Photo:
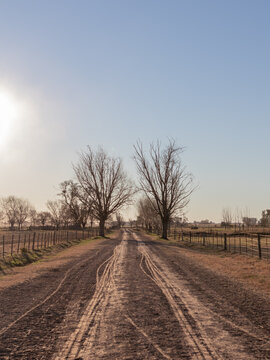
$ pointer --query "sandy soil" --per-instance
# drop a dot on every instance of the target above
(131, 298)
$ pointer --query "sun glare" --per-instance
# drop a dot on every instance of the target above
(9, 112)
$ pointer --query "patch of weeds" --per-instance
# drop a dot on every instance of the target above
(250, 276)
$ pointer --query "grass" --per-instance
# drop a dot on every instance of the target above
(25, 257)
(250, 271)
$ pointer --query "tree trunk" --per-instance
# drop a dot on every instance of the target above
(165, 224)
(101, 227)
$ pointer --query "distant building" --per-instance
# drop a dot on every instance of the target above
(265, 220)
(248, 221)
(206, 221)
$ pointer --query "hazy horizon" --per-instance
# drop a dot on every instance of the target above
(104, 73)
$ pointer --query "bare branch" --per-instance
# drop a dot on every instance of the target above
(164, 179)
(104, 183)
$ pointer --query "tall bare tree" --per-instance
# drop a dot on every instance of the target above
(22, 212)
(164, 179)
(238, 217)
(9, 206)
(56, 210)
(72, 194)
(227, 216)
(44, 217)
(119, 219)
(104, 183)
(33, 216)
(147, 214)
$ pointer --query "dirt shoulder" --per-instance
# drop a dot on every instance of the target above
(251, 272)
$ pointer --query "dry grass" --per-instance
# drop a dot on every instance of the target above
(250, 271)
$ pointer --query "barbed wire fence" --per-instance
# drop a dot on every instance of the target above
(256, 245)
(14, 242)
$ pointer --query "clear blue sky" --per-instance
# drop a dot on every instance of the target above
(110, 72)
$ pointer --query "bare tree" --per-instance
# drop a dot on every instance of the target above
(16, 210)
(44, 217)
(104, 183)
(9, 206)
(23, 211)
(56, 212)
(227, 217)
(71, 194)
(119, 219)
(66, 216)
(147, 214)
(33, 216)
(238, 217)
(265, 219)
(164, 179)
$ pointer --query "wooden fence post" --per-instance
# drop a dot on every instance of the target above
(190, 236)
(24, 241)
(3, 246)
(29, 239)
(12, 241)
(225, 242)
(259, 246)
(19, 241)
(34, 238)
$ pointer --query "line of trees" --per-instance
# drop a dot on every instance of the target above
(17, 211)
(240, 218)
(102, 188)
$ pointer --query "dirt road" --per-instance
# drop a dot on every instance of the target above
(132, 298)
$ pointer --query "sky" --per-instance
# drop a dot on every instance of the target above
(78, 73)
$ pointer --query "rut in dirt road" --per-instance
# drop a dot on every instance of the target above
(83, 338)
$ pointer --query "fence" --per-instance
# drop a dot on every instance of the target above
(12, 242)
(257, 245)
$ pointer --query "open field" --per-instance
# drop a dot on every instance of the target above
(131, 297)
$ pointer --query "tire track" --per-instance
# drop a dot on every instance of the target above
(83, 338)
(5, 329)
(199, 342)
(247, 327)
(156, 346)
